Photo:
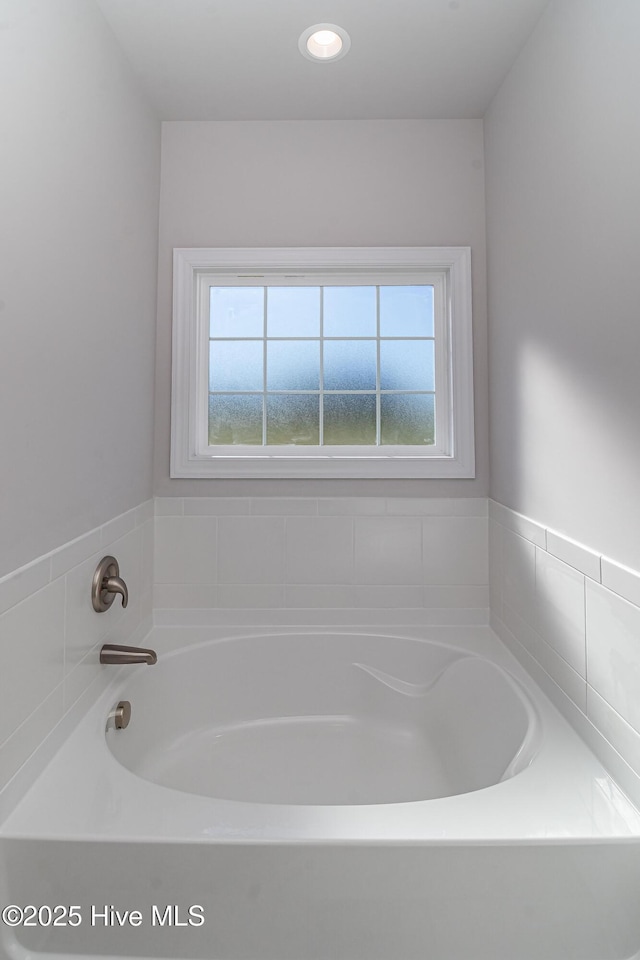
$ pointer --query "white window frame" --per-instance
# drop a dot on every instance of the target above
(447, 268)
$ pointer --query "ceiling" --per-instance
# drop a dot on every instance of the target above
(239, 59)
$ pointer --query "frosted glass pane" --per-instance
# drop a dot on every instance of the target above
(237, 312)
(406, 365)
(407, 418)
(293, 419)
(293, 365)
(235, 365)
(293, 312)
(350, 364)
(406, 311)
(349, 312)
(350, 418)
(235, 419)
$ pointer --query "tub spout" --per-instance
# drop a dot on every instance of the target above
(117, 653)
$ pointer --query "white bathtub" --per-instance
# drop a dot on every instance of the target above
(326, 719)
(326, 795)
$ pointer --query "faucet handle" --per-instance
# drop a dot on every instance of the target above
(107, 584)
(116, 585)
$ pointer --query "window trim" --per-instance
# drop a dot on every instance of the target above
(189, 266)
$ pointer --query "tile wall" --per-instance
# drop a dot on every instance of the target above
(306, 560)
(50, 635)
(572, 617)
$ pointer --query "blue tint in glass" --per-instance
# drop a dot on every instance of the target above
(237, 312)
(406, 311)
(293, 312)
(235, 418)
(407, 418)
(293, 365)
(349, 418)
(406, 365)
(293, 419)
(349, 364)
(235, 365)
(349, 312)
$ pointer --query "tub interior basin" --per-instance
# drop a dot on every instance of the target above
(325, 719)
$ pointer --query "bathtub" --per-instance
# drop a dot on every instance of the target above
(326, 795)
(326, 720)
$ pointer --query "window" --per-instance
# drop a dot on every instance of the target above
(348, 362)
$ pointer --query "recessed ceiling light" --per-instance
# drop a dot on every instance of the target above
(324, 42)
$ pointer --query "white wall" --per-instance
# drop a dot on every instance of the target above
(344, 183)
(79, 167)
(563, 211)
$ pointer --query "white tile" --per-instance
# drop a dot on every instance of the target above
(455, 550)
(614, 728)
(551, 662)
(144, 513)
(251, 595)
(519, 575)
(85, 627)
(217, 506)
(18, 748)
(352, 506)
(518, 523)
(31, 654)
(251, 549)
(622, 580)
(574, 554)
(321, 617)
(613, 651)
(121, 630)
(168, 506)
(146, 609)
(83, 675)
(388, 550)
(147, 533)
(82, 671)
(75, 552)
(388, 596)
(459, 596)
(319, 550)
(318, 596)
(170, 596)
(284, 506)
(118, 528)
(560, 606)
(453, 616)
(185, 549)
(437, 506)
(568, 692)
(495, 566)
(27, 580)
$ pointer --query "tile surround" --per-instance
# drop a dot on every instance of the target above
(560, 609)
(572, 617)
(575, 554)
(50, 636)
(320, 554)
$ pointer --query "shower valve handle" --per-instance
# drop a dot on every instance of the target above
(107, 584)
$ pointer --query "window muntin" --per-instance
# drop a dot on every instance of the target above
(331, 365)
(317, 418)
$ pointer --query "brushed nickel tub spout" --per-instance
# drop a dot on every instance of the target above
(117, 653)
